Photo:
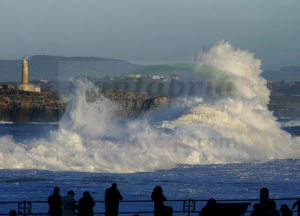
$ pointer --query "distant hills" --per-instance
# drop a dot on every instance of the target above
(288, 74)
(57, 67)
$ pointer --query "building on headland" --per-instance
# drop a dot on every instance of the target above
(25, 86)
(270, 84)
(134, 75)
(149, 75)
(41, 80)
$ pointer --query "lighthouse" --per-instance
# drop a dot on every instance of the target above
(25, 86)
(25, 71)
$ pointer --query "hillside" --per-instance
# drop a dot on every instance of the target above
(288, 74)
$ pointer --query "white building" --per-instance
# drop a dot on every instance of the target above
(149, 75)
(134, 75)
(41, 80)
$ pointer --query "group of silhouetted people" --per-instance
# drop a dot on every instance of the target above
(56, 202)
(212, 208)
(259, 210)
(66, 206)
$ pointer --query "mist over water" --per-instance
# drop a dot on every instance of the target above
(190, 130)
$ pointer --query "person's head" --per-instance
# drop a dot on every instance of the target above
(114, 186)
(12, 213)
(86, 193)
(271, 205)
(284, 208)
(56, 190)
(71, 192)
(211, 202)
(157, 189)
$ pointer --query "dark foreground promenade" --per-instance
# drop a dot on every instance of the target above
(263, 205)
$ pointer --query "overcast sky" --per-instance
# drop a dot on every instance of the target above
(150, 30)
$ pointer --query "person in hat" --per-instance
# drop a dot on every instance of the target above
(69, 204)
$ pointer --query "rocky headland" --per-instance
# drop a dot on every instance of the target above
(43, 107)
(284, 107)
(134, 104)
(22, 106)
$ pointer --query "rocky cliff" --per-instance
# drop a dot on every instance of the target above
(22, 106)
(133, 104)
(284, 107)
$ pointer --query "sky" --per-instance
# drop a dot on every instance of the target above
(150, 30)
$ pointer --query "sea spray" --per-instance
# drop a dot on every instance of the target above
(198, 129)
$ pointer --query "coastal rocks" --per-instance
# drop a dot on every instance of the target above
(22, 106)
(283, 107)
(134, 104)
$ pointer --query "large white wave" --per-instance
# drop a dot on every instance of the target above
(194, 130)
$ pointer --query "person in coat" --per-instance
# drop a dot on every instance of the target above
(112, 197)
(158, 198)
(272, 208)
(285, 211)
(85, 205)
(69, 204)
(212, 208)
(55, 205)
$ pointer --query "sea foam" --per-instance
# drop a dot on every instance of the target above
(198, 129)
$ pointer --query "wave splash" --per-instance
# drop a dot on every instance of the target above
(194, 130)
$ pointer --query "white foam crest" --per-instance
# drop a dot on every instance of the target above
(65, 151)
(241, 66)
(251, 131)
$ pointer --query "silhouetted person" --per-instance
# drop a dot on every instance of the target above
(69, 204)
(112, 197)
(272, 208)
(55, 205)
(296, 203)
(210, 209)
(259, 210)
(168, 211)
(85, 205)
(232, 211)
(158, 198)
(285, 211)
(12, 213)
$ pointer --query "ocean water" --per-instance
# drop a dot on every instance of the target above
(196, 147)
